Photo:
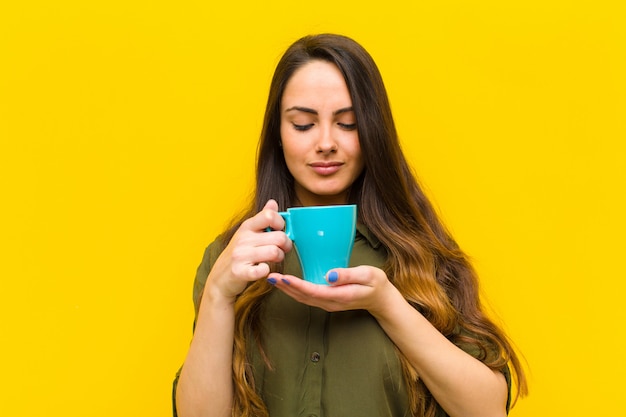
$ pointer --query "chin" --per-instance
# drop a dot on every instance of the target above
(330, 198)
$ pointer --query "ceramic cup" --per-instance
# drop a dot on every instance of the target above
(323, 237)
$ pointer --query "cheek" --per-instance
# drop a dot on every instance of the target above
(355, 149)
(294, 147)
(286, 137)
(291, 153)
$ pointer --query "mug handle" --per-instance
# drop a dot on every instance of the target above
(287, 216)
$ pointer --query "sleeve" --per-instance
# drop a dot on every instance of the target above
(211, 253)
(507, 375)
(174, 386)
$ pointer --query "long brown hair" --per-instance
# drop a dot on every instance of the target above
(424, 262)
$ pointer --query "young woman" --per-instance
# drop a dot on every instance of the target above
(401, 332)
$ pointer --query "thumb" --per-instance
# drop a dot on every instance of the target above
(271, 205)
(332, 276)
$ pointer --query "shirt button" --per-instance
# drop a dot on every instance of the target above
(315, 357)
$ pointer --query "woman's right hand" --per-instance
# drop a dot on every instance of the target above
(204, 386)
(246, 257)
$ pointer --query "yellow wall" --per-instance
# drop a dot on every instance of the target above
(127, 139)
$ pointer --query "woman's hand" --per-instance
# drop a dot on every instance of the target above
(462, 385)
(247, 256)
(361, 287)
(205, 384)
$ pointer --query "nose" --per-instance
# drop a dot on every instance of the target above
(326, 143)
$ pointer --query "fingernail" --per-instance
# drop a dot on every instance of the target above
(286, 281)
(272, 280)
(332, 276)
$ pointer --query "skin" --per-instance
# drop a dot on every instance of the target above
(319, 136)
(322, 152)
(462, 385)
(205, 383)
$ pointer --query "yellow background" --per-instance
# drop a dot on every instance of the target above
(127, 141)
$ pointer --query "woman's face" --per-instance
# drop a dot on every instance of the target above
(319, 136)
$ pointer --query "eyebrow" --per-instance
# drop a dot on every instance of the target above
(312, 111)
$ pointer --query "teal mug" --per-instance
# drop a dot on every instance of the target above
(323, 238)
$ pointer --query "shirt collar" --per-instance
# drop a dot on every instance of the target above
(364, 231)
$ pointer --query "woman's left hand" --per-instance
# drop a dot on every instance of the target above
(361, 287)
(462, 385)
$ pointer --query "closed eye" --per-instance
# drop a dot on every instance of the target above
(347, 126)
(302, 128)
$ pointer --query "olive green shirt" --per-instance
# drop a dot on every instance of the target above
(323, 364)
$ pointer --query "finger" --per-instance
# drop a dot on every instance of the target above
(251, 240)
(295, 287)
(340, 276)
(332, 276)
(328, 298)
(253, 255)
(276, 278)
(254, 272)
(304, 291)
(278, 238)
(268, 218)
(271, 205)
(268, 253)
(363, 275)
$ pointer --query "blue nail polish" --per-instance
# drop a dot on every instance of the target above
(272, 280)
(286, 281)
(333, 276)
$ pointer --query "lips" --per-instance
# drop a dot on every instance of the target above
(326, 168)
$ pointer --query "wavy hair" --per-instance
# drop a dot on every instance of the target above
(424, 262)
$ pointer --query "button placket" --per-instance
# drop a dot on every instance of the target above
(314, 369)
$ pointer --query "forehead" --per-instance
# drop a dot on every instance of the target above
(316, 81)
